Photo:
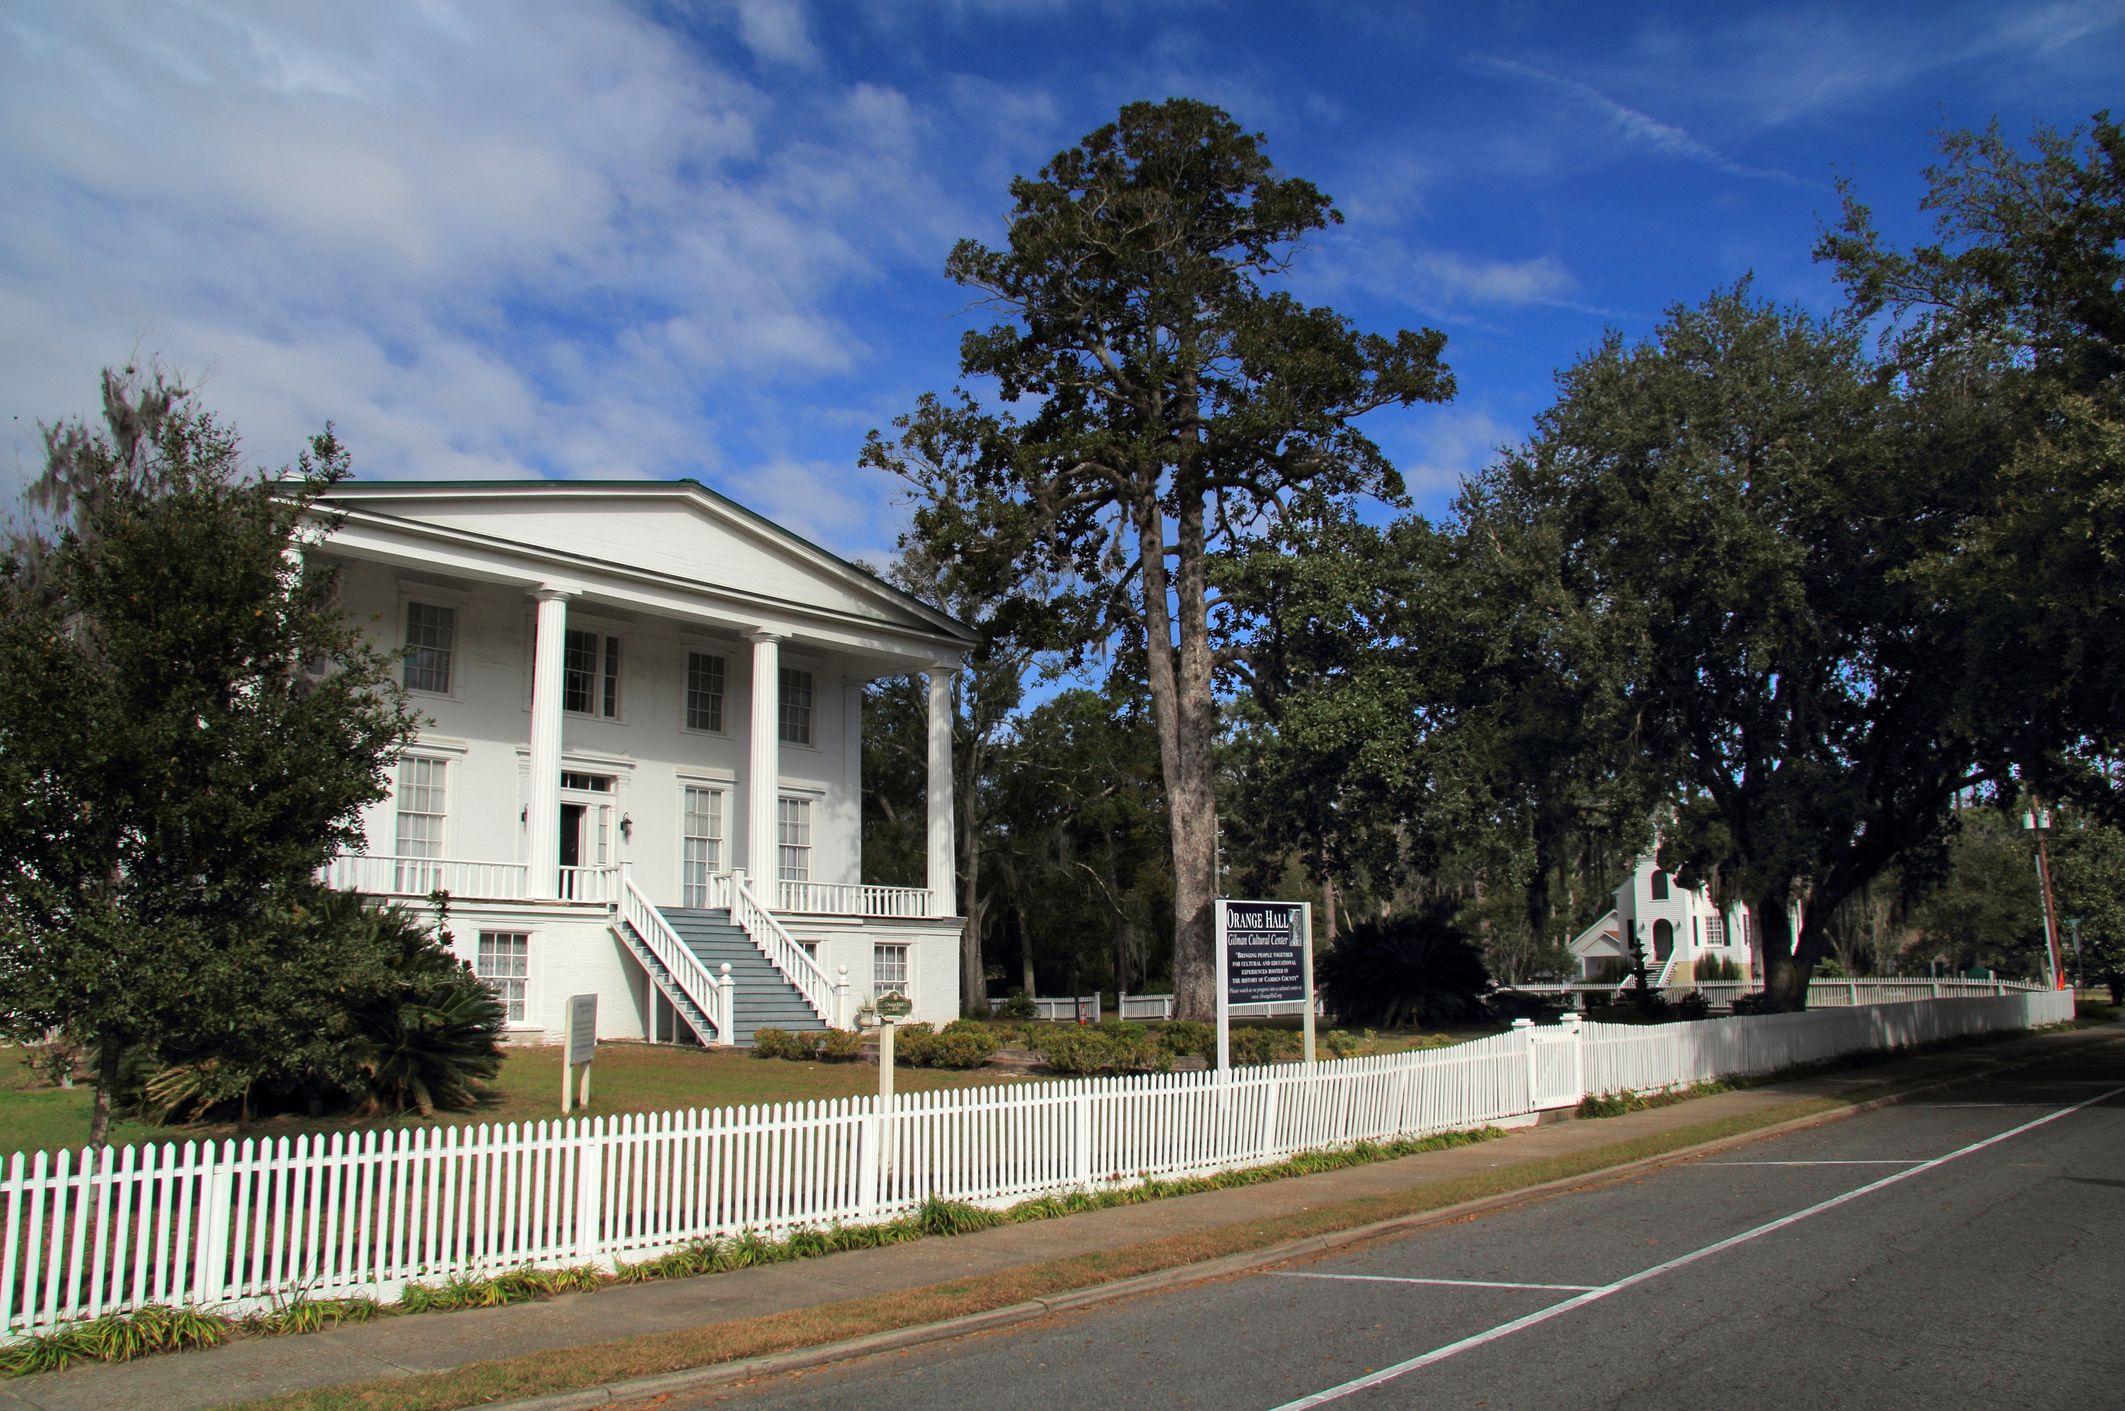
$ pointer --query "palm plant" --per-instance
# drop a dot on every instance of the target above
(1421, 969)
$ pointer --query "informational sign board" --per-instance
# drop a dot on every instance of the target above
(579, 1044)
(1264, 956)
(1265, 951)
(894, 1005)
(582, 1028)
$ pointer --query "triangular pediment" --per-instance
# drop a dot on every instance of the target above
(676, 530)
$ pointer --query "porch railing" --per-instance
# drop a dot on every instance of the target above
(854, 899)
(599, 886)
(384, 875)
(420, 876)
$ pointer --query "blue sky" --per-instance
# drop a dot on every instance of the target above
(606, 239)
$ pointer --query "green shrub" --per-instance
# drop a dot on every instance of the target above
(1019, 1005)
(1716, 969)
(963, 1043)
(914, 1045)
(1252, 1046)
(1693, 1006)
(841, 1046)
(1341, 1043)
(1189, 1038)
(1112, 1047)
(800, 1045)
(1517, 1004)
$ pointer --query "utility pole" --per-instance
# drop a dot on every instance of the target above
(2037, 820)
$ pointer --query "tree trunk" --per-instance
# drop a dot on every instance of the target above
(1025, 952)
(973, 978)
(110, 1064)
(1186, 714)
(1786, 966)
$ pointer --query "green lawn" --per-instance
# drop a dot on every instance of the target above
(626, 1078)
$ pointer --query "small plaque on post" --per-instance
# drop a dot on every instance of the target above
(894, 1005)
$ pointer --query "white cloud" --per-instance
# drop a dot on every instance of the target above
(1437, 448)
(1634, 127)
(486, 241)
(830, 504)
(775, 30)
(1458, 280)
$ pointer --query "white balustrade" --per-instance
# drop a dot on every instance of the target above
(854, 899)
(382, 875)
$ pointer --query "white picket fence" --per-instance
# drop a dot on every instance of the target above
(242, 1225)
(1067, 1009)
(1140, 1007)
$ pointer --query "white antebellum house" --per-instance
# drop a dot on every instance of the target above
(1677, 925)
(639, 771)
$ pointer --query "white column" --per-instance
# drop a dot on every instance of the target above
(943, 853)
(764, 773)
(542, 797)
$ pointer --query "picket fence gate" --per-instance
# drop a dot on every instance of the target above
(244, 1225)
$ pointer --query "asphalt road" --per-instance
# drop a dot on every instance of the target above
(1962, 1250)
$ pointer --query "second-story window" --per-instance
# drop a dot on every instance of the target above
(590, 674)
(796, 706)
(704, 691)
(431, 647)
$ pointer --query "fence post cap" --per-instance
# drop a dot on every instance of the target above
(1523, 1023)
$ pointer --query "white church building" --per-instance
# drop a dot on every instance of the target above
(638, 774)
(1678, 926)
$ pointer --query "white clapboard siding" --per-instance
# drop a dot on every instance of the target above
(240, 1225)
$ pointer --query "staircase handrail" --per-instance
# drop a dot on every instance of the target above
(685, 968)
(766, 933)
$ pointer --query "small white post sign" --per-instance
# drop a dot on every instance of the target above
(1264, 956)
(579, 1044)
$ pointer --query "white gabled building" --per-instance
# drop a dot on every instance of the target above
(1677, 925)
(641, 754)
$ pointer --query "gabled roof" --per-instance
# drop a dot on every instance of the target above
(617, 522)
(1609, 928)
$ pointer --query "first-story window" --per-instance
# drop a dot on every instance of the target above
(889, 970)
(793, 833)
(702, 850)
(1715, 931)
(505, 965)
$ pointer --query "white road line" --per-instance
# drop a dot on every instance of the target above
(1595, 1295)
(1446, 1283)
(1884, 1161)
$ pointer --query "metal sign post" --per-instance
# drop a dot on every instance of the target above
(1264, 956)
(579, 1044)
